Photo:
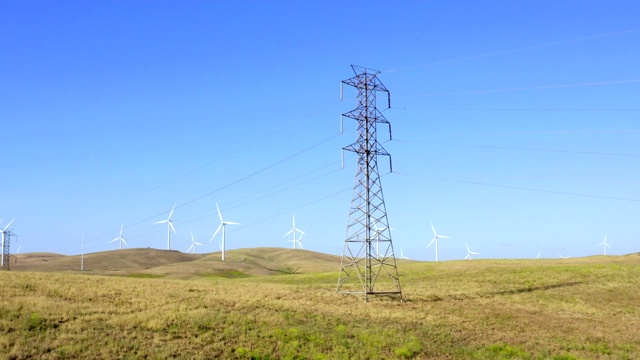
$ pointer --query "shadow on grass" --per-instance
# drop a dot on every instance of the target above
(490, 294)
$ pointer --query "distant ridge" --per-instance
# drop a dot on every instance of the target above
(176, 264)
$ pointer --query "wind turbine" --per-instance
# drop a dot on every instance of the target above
(538, 257)
(4, 233)
(435, 238)
(562, 257)
(223, 225)
(120, 238)
(169, 227)
(194, 244)
(469, 253)
(604, 245)
(295, 230)
(402, 255)
(379, 231)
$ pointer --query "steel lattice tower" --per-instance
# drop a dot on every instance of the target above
(6, 255)
(368, 227)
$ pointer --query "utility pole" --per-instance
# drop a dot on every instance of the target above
(373, 273)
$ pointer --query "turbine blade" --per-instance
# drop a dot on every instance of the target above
(171, 213)
(116, 239)
(198, 244)
(219, 213)
(434, 230)
(465, 244)
(443, 237)
(161, 222)
(124, 241)
(190, 247)
(9, 224)
(171, 226)
(193, 241)
(216, 233)
(231, 223)
(290, 231)
(434, 239)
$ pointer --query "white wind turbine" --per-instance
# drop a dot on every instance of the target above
(562, 257)
(402, 255)
(295, 231)
(435, 238)
(169, 227)
(4, 233)
(378, 231)
(469, 253)
(538, 257)
(194, 244)
(222, 226)
(120, 238)
(604, 245)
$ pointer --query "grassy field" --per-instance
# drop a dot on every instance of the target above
(282, 304)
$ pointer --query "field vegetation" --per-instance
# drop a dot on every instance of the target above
(281, 304)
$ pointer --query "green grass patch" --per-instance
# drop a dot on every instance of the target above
(146, 276)
(227, 274)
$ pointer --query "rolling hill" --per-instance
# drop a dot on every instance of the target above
(175, 264)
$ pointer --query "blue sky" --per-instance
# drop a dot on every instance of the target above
(515, 123)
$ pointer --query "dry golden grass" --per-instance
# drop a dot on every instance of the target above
(495, 309)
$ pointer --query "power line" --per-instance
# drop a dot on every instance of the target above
(516, 50)
(520, 149)
(524, 88)
(515, 109)
(263, 169)
(105, 234)
(518, 187)
(209, 163)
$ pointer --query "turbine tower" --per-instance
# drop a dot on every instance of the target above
(169, 227)
(223, 225)
(295, 231)
(373, 274)
(6, 241)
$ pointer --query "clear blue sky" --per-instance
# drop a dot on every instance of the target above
(112, 111)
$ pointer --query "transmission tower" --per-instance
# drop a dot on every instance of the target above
(6, 255)
(364, 270)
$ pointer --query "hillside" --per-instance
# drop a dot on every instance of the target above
(175, 264)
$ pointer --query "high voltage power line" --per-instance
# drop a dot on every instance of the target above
(555, 43)
(517, 187)
(238, 150)
(513, 109)
(526, 88)
(520, 149)
(106, 234)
